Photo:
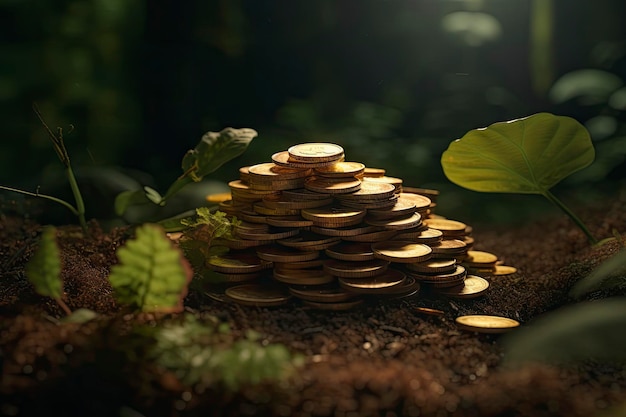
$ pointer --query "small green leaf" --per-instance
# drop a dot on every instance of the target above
(528, 155)
(125, 199)
(215, 149)
(152, 274)
(610, 270)
(154, 196)
(44, 267)
(589, 330)
(82, 315)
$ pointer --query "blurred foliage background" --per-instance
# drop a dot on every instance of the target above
(392, 81)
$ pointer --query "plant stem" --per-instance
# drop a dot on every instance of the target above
(547, 194)
(47, 197)
(63, 306)
(80, 204)
(176, 186)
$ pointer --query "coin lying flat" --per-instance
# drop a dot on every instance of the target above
(284, 160)
(355, 269)
(332, 185)
(447, 227)
(236, 263)
(434, 266)
(396, 223)
(269, 171)
(429, 311)
(341, 169)
(486, 324)
(504, 270)
(370, 190)
(303, 276)
(348, 251)
(333, 216)
(321, 293)
(480, 258)
(219, 197)
(346, 305)
(258, 295)
(373, 172)
(277, 253)
(373, 285)
(315, 152)
(401, 251)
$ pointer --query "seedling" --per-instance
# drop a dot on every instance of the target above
(43, 269)
(152, 275)
(213, 150)
(59, 146)
(527, 156)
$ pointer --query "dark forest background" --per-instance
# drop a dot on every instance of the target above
(392, 81)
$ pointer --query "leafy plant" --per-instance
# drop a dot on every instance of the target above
(43, 269)
(202, 229)
(152, 275)
(213, 150)
(205, 353)
(61, 151)
(528, 156)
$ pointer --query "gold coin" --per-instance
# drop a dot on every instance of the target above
(303, 276)
(449, 247)
(378, 236)
(422, 235)
(448, 227)
(252, 217)
(396, 182)
(394, 223)
(385, 204)
(284, 160)
(408, 288)
(307, 238)
(341, 169)
(427, 192)
(277, 253)
(357, 229)
(284, 202)
(237, 243)
(272, 234)
(458, 274)
(301, 194)
(237, 262)
(402, 207)
(243, 187)
(480, 258)
(474, 286)
(373, 172)
(434, 266)
(347, 269)
(401, 251)
(276, 185)
(226, 277)
(333, 216)
(321, 293)
(258, 295)
(372, 285)
(347, 251)
(486, 324)
(251, 227)
(421, 202)
(269, 171)
(331, 185)
(429, 311)
(288, 221)
(346, 305)
(370, 191)
(504, 270)
(261, 208)
(315, 152)
(313, 263)
(219, 197)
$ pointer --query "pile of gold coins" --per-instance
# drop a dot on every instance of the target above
(333, 233)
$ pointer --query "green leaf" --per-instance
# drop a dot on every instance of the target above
(125, 199)
(152, 274)
(528, 155)
(612, 270)
(215, 149)
(589, 330)
(82, 315)
(44, 267)
(154, 196)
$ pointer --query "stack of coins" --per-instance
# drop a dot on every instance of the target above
(331, 233)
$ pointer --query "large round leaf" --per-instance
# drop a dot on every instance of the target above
(528, 155)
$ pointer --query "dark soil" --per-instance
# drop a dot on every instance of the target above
(382, 359)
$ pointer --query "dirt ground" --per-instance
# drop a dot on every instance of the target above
(384, 358)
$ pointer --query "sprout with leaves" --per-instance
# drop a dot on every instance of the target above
(152, 274)
(528, 156)
(213, 150)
